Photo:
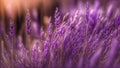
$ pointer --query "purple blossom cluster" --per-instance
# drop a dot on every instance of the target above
(78, 40)
(28, 22)
(12, 29)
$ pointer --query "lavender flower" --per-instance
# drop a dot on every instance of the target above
(50, 28)
(28, 22)
(80, 40)
(87, 12)
(36, 55)
(11, 28)
(57, 17)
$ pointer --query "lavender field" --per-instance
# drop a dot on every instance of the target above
(85, 36)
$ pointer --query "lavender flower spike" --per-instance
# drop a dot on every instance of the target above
(28, 22)
(11, 28)
(57, 17)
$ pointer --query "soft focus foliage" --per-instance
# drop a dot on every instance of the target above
(77, 39)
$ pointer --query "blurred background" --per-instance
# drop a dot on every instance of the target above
(40, 10)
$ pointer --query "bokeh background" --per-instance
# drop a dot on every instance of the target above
(15, 10)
